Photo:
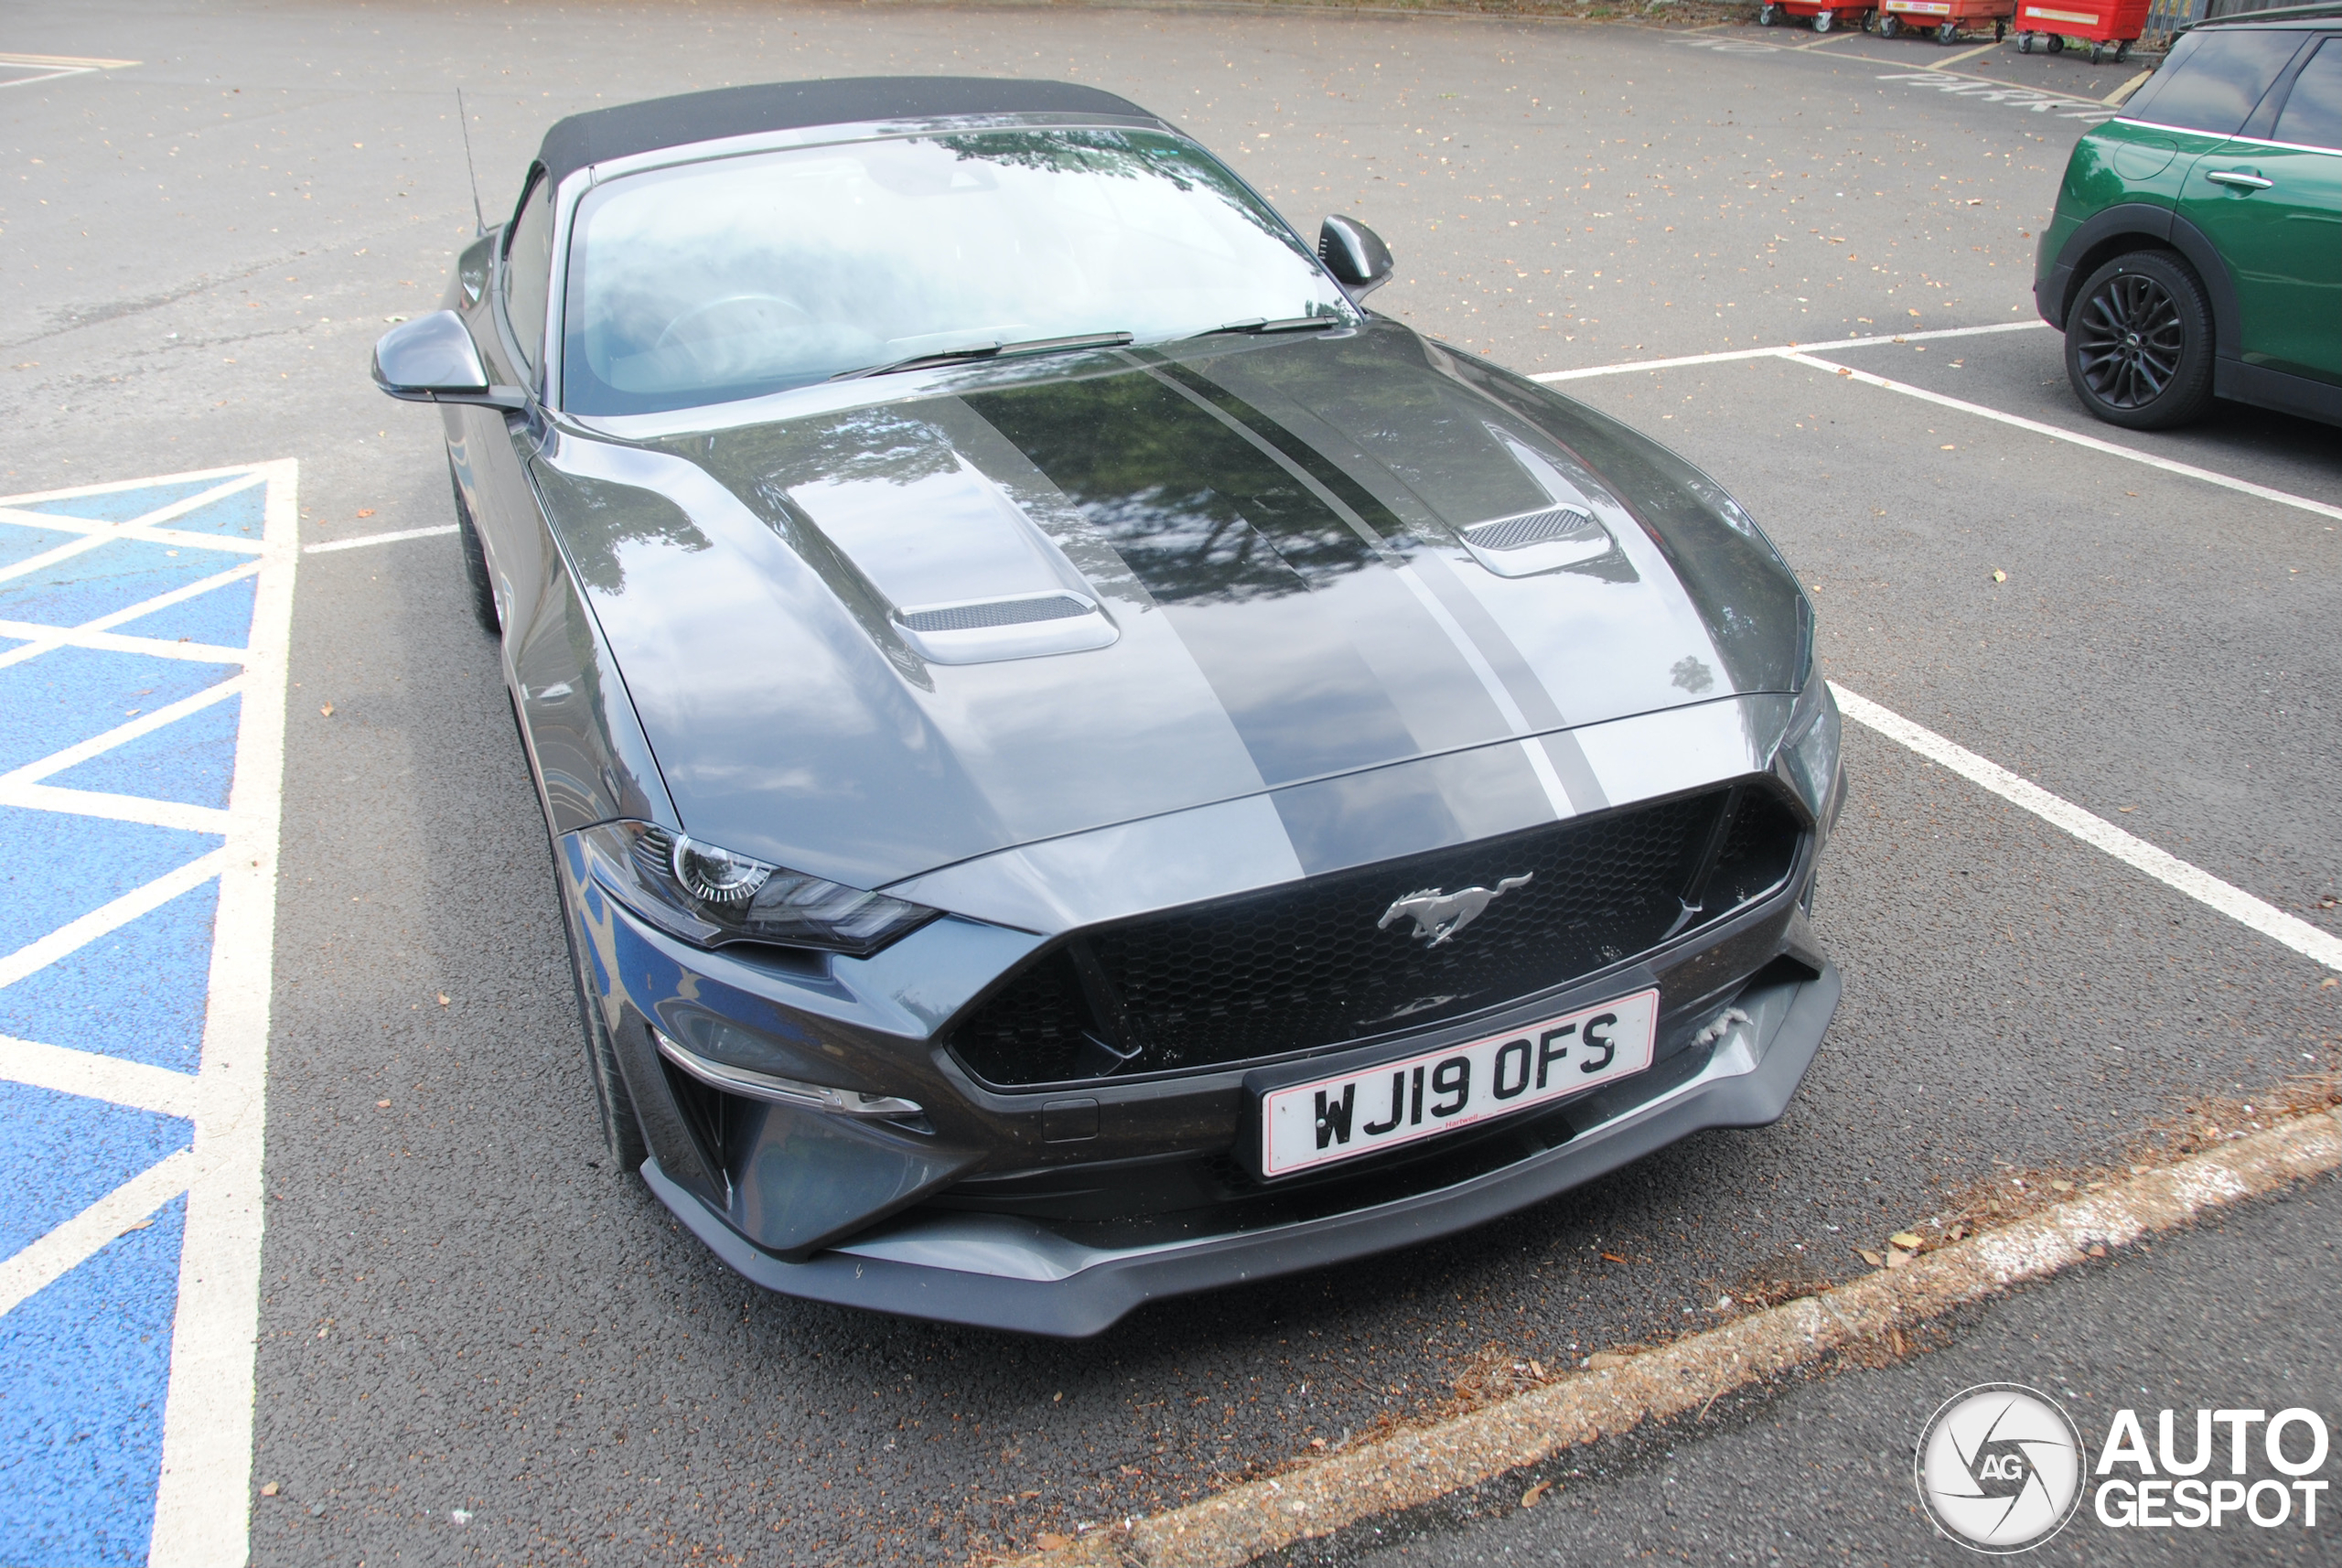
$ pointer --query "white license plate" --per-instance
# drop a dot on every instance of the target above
(1330, 1119)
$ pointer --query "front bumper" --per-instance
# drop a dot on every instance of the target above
(998, 1271)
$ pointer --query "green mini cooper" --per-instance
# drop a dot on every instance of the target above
(2197, 249)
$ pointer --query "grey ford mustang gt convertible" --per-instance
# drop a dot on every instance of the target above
(1083, 764)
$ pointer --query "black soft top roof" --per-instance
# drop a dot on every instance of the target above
(601, 135)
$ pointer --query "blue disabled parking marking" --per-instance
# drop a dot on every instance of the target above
(83, 1369)
(142, 658)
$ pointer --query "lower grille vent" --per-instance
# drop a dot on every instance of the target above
(1327, 959)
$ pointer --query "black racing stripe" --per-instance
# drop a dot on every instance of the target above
(1371, 508)
(1521, 682)
(1429, 803)
(1232, 546)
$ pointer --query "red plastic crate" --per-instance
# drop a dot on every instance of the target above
(1823, 13)
(2093, 22)
(1946, 19)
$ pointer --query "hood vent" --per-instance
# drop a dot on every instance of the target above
(968, 578)
(1535, 528)
(1563, 532)
(981, 615)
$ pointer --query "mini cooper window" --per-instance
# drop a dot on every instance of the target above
(528, 271)
(2312, 116)
(724, 280)
(2213, 80)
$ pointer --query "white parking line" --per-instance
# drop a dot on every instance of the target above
(1780, 350)
(45, 1261)
(2188, 470)
(93, 1077)
(203, 1500)
(2097, 831)
(363, 540)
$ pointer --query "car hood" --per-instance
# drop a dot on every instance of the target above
(881, 626)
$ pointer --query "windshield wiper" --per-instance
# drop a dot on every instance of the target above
(990, 351)
(1283, 323)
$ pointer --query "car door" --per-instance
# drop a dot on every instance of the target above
(2271, 202)
(500, 444)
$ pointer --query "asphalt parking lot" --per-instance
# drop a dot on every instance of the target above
(477, 1342)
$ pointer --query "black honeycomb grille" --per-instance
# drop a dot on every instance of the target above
(1307, 964)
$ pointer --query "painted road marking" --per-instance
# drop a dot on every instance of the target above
(2187, 470)
(134, 973)
(1956, 83)
(363, 540)
(1780, 351)
(2097, 831)
(48, 67)
(1809, 355)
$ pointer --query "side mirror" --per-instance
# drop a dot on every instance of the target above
(433, 359)
(1355, 255)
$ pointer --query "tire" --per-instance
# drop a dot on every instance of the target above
(1822, 20)
(2055, 44)
(2138, 343)
(2121, 51)
(2024, 43)
(1768, 16)
(1999, 30)
(621, 1131)
(474, 562)
(1947, 34)
(1888, 26)
(1870, 21)
(2097, 54)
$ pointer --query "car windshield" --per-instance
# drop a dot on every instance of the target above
(724, 280)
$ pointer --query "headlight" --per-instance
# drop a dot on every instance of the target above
(710, 896)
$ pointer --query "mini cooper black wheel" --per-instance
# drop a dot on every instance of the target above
(2138, 343)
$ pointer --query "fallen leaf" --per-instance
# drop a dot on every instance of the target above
(1999, 575)
(269, 1490)
(2061, 1187)
(327, 710)
(1602, 1360)
(2095, 1250)
(1947, 446)
(1058, 1395)
(2126, 811)
(382, 1105)
(321, 1333)
(366, 511)
(1537, 1367)
(1612, 1258)
(1048, 1542)
(443, 999)
(140, 1226)
(1842, 369)
(1907, 1241)
(1896, 1257)
(2328, 984)
(1529, 1499)
(1872, 1259)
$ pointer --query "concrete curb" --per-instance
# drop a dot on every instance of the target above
(1410, 1468)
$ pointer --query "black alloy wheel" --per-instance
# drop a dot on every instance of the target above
(2138, 343)
(491, 618)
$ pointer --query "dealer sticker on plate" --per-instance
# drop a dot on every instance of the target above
(1331, 1119)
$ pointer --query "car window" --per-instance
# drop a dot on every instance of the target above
(723, 280)
(528, 271)
(2312, 116)
(2213, 78)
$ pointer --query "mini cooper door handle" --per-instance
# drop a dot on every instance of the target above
(2243, 179)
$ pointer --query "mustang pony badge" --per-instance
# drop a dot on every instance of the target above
(1439, 916)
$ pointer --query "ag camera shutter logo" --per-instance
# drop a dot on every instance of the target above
(1999, 1468)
